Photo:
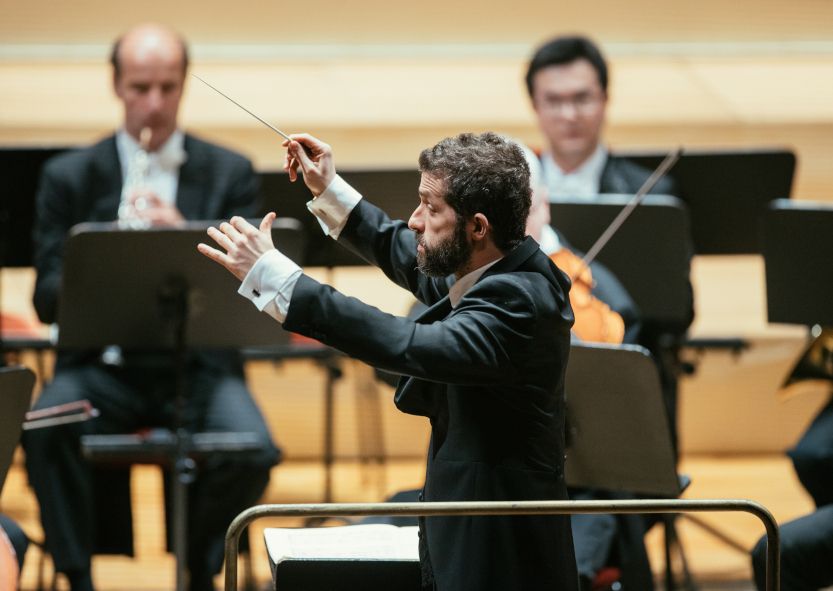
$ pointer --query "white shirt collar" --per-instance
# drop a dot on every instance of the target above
(582, 182)
(462, 285)
(168, 158)
(549, 241)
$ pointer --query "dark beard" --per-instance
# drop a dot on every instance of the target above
(446, 258)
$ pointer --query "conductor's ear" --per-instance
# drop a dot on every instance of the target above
(480, 226)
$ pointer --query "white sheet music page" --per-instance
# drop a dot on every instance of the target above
(349, 542)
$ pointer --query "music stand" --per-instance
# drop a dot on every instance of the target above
(650, 253)
(151, 289)
(619, 437)
(797, 250)
(16, 384)
(727, 192)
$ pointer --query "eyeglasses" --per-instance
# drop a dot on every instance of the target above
(582, 102)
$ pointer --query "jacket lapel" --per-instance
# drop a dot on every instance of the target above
(612, 180)
(192, 187)
(109, 181)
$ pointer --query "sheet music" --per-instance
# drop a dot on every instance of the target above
(351, 542)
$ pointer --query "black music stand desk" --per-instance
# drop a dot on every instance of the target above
(16, 384)
(799, 287)
(727, 193)
(798, 249)
(650, 254)
(150, 289)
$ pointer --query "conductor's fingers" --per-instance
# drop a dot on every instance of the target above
(291, 167)
(215, 255)
(242, 225)
(230, 231)
(220, 238)
(312, 145)
(266, 223)
(301, 156)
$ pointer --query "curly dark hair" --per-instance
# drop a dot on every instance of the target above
(565, 50)
(484, 173)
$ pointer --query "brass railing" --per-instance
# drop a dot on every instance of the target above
(773, 565)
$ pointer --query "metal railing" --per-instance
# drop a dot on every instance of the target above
(773, 565)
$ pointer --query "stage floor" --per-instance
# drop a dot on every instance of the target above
(715, 564)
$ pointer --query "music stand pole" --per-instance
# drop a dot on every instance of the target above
(173, 308)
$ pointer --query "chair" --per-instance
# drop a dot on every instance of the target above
(618, 435)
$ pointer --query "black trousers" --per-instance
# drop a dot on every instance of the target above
(601, 540)
(130, 398)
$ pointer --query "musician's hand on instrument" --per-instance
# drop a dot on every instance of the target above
(314, 158)
(149, 207)
(243, 244)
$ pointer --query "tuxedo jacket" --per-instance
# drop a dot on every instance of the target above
(489, 375)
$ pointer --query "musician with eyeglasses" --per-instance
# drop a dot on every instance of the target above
(567, 81)
(149, 173)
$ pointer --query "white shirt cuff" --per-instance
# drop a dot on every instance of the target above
(270, 283)
(333, 206)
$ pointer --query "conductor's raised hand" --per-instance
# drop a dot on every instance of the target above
(314, 158)
(242, 242)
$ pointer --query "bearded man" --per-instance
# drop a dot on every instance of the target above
(485, 363)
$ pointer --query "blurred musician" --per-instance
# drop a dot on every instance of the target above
(567, 81)
(148, 173)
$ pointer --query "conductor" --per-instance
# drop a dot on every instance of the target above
(485, 363)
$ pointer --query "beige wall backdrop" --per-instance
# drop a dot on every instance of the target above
(381, 80)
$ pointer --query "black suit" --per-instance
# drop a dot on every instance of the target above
(81, 511)
(489, 376)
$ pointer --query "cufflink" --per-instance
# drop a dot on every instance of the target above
(256, 292)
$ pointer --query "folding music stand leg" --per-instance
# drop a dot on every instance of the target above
(173, 307)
